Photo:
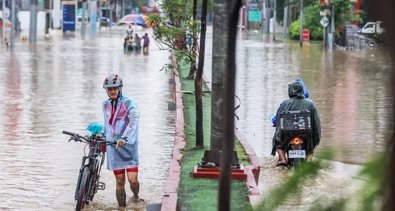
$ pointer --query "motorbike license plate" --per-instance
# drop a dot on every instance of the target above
(297, 153)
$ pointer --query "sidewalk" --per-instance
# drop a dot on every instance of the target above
(183, 191)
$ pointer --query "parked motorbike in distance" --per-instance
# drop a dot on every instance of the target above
(128, 43)
(295, 128)
(131, 45)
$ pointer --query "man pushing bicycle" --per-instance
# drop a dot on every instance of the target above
(121, 120)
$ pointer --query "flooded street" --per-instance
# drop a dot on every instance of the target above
(351, 91)
(57, 85)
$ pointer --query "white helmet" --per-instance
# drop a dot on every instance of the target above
(112, 80)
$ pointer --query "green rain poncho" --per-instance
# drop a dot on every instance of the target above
(297, 101)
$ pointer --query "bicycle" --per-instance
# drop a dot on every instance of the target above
(88, 178)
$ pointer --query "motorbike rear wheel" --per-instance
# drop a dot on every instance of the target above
(296, 162)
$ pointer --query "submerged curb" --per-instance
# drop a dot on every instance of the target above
(169, 200)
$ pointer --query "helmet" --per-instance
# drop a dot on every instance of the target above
(112, 80)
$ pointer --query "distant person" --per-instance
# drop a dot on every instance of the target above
(146, 43)
(129, 31)
(137, 39)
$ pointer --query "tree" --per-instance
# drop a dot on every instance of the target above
(173, 37)
(233, 8)
(198, 79)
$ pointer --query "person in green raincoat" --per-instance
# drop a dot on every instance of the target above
(297, 101)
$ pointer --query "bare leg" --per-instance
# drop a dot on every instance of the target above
(134, 183)
(281, 156)
(120, 190)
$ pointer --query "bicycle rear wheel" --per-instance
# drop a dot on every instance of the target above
(83, 190)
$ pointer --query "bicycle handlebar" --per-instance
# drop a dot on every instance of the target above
(69, 133)
(77, 137)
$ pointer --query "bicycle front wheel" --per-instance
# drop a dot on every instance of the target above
(83, 190)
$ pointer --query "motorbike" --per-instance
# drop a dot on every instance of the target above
(296, 132)
(130, 44)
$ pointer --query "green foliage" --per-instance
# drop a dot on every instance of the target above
(241, 153)
(311, 18)
(311, 21)
(294, 30)
(170, 32)
(139, 3)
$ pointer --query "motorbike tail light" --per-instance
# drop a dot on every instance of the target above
(296, 141)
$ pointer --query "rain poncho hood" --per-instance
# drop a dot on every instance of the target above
(297, 101)
(305, 93)
(124, 125)
(305, 90)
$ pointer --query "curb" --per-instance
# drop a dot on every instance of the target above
(170, 196)
(169, 200)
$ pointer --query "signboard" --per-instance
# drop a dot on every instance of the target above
(327, 2)
(69, 14)
(255, 16)
(306, 35)
(324, 21)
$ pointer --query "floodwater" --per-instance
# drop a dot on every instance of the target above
(57, 85)
(351, 91)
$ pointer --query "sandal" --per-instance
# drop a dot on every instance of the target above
(281, 164)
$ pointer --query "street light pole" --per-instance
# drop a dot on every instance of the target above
(301, 24)
(285, 22)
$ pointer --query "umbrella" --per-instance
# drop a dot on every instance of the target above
(138, 19)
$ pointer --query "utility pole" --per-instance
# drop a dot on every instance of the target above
(274, 20)
(83, 25)
(267, 10)
(301, 24)
(285, 21)
(332, 28)
(109, 7)
(33, 22)
(47, 16)
(12, 23)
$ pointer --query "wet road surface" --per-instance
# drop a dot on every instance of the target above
(57, 85)
(351, 91)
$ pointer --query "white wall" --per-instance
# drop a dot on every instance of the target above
(56, 14)
(24, 18)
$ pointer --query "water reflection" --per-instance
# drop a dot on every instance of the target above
(57, 85)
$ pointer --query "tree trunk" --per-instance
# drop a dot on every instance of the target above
(192, 70)
(233, 8)
(220, 31)
(198, 79)
(383, 10)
